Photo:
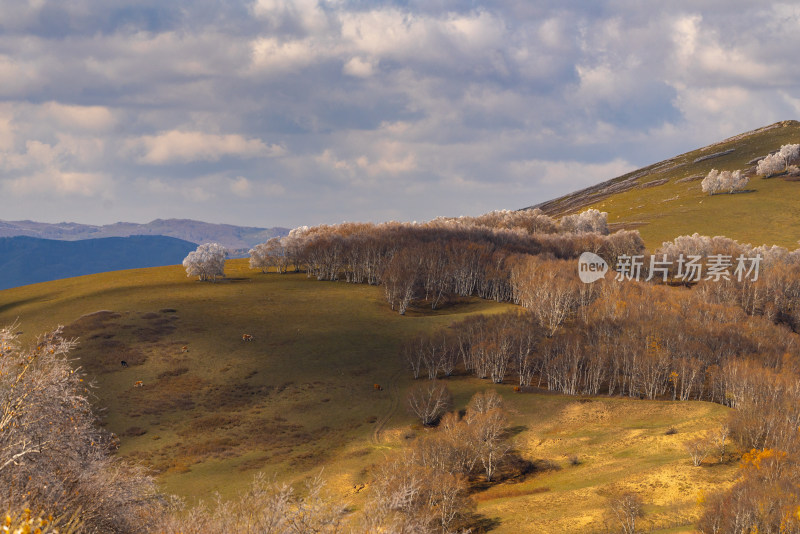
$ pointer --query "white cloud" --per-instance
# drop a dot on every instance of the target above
(241, 186)
(187, 146)
(306, 15)
(386, 159)
(7, 135)
(53, 181)
(216, 187)
(358, 67)
(63, 168)
(246, 188)
(569, 174)
(89, 118)
(18, 77)
(274, 56)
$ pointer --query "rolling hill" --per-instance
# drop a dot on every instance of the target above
(214, 410)
(28, 260)
(664, 200)
(299, 399)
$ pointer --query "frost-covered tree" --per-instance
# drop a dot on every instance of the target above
(724, 181)
(779, 161)
(589, 221)
(207, 262)
(270, 254)
(736, 182)
(711, 183)
(259, 257)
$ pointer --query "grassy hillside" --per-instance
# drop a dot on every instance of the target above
(664, 200)
(300, 397)
(290, 399)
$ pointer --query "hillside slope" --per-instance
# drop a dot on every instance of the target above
(28, 260)
(300, 398)
(664, 200)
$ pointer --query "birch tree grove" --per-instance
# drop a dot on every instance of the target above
(642, 340)
(445, 258)
(549, 290)
(400, 279)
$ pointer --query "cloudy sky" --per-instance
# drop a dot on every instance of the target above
(278, 112)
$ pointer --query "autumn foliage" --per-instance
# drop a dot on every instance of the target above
(443, 258)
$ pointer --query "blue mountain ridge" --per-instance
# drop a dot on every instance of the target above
(29, 260)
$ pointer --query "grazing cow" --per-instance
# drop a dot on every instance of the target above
(124, 363)
(185, 348)
(138, 384)
(247, 337)
(517, 389)
(377, 387)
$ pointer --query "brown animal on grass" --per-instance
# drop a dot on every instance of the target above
(185, 348)
(377, 387)
(517, 389)
(138, 384)
(247, 337)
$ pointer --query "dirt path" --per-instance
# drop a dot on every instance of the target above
(394, 396)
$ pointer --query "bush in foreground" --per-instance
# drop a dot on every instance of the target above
(53, 456)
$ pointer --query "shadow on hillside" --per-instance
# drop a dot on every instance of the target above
(484, 524)
(734, 192)
(226, 280)
(516, 430)
(450, 306)
(8, 306)
(514, 469)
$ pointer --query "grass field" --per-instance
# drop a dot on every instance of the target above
(300, 397)
(768, 213)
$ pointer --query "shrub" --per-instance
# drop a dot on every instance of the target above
(779, 161)
(53, 456)
(724, 181)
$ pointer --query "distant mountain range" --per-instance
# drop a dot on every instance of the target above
(230, 236)
(28, 260)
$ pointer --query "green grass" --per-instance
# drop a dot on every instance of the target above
(300, 397)
(769, 214)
